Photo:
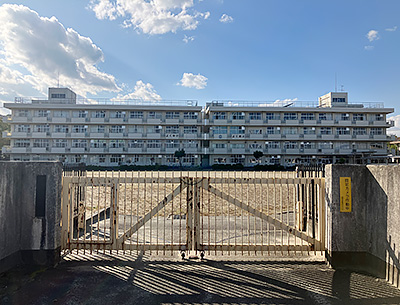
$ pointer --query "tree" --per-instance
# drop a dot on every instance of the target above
(179, 154)
(258, 154)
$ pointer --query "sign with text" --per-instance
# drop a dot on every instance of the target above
(345, 194)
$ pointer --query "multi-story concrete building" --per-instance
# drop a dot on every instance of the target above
(110, 133)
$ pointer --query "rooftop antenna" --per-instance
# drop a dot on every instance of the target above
(335, 82)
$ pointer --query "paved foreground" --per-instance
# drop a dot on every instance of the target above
(143, 279)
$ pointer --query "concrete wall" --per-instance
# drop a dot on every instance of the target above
(368, 237)
(24, 237)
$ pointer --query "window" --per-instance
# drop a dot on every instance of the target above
(255, 115)
(22, 143)
(219, 115)
(61, 128)
(98, 114)
(289, 130)
(343, 145)
(309, 130)
(154, 115)
(273, 130)
(307, 145)
(273, 145)
(98, 143)
(339, 100)
(102, 159)
(41, 143)
(82, 114)
(117, 114)
(154, 129)
(42, 113)
(22, 128)
(135, 143)
(58, 95)
(136, 115)
(379, 117)
(41, 128)
(220, 130)
(255, 131)
(255, 145)
(190, 144)
(237, 129)
(117, 143)
(117, 129)
(133, 159)
(60, 143)
(344, 116)
(60, 114)
(237, 159)
(326, 130)
(22, 113)
(172, 115)
(172, 144)
(326, 145)
(98, 129)
(342, 131)
(116, 159)
(219, 145)
(376, 131)
(358, 117)
(220, 160)
(273, 116)
(136, 129)
(189, 159)
(237, 116)
(290, 145)
(307, 116)
(190, 115)
(79, 143)
(377, 145)
(325, 116)
(79, 129)
(153, 144)
(237, 145)
(172, 129)
(359, 131)
(290, 116)
(190, 129)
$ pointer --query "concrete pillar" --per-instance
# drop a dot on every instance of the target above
(30, 213)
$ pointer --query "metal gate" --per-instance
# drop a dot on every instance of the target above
(206, 212)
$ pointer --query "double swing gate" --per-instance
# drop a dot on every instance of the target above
(205, 212)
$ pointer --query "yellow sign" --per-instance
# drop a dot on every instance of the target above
(345, 194)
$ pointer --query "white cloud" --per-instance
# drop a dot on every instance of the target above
(368, 48)
(37, 51)
(226, 19)
(393, 29)
(187, 39)
(150, 16)
(191, 80)
(372, 35)
(142, 91)
(396, 129)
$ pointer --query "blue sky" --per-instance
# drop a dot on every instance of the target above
(257, 50)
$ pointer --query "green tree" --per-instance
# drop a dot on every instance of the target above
(258, 154)
(179, 154)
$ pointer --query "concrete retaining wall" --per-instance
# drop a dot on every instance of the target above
(368, 237)
(30, 213)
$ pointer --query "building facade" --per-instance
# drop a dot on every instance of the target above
(111, 133)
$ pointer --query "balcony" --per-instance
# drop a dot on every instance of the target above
(97, 120)
(220, 136)
(19, 119)
(274, 151)
(310, 122)
(36, 119)
(326, 122)
(17, 134)
(116, 150)
(16, 150)
(58, 120)
(39, 135)
(238, 136)
(78, 135)
(172, 121)
(362, 137)
(58, 150)
(310, 136)
(97, 135)
(60, 135)
(113, 135)
(6, 134)
(238, 122)
(135, 150)
(291, 122)
(39, 150)
(274, 136)
(292, 151)
(344, 137)
(292, 136)
(191, 135)
(274, 122)
(98, 149)
(117, 120)
(78, 120)
(255, 136)
(154, 135)
(154, 150)
(219, 122)
(360, 123)
(77, 150)
(256, 122)
(135, 121)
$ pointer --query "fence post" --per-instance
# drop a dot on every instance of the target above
(189, 214)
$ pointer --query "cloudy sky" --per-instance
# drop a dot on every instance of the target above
(256, 50)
